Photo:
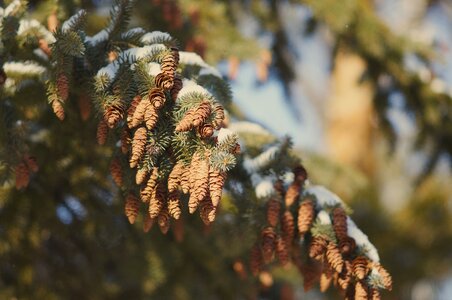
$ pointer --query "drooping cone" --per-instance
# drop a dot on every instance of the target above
(164, 221)
(385, 276)
(141, 175)
(147, 223)
(345, 278)
(360, 291)
(185, 179)
(205, 131)
(273, 210)
(174, 204)
(288, 228)
(218, 120)
(255, 259)
(131, 207)
(157, 200)
(148, 190)
(168, 65)
(102, 132)
(207, 211)
(325, 281)
(22, 175)
(131, 111)
(201, 113)
(360, 267)
(164, 81)
(140, 110)
(116, 171)
(58, 109)
(177, 86)
(157, 97)
(306, 216)
(84, 106)
(292, 193)
(138, 146)
(340, 223)
(31, 162)
(268, 236)
(175, 176)
(200, 173)
(186, 123)
(125, 141)
(62, 84)
(113, 114)
(281, 251)
(374, 294)
(347, 245)
(216, 183)
(334, 257)
(317, 248)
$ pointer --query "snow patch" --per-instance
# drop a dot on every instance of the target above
(26, 25)
(324, 196)
(67, 25)
(362, 240)
(324, 218)
(99, 37)
(189, 87)
(29, 69)
(155, 37)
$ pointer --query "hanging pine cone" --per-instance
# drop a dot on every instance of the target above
(138, 146)
(102, 132)
(58, 109)
(216, 183)
(151, 117)
(360, 267)
(147, 223)
(164, 220)
(201, 113)
(360, 291)
(255, 259)
(205, 131)
(148, 190)
(207, 211)
(131, 111)
(374, 294)
(125, 141)
(177, 86)
(317, 248)
(218, 119)
(347, 245)
(141, 175)
(268, 236)
(116, 171)
(84, 106)
(164, 81)
(292, 193)
(131, 207)
(139, 112)
(344, 279)
(174, 204)
(175, 176)
(200, 173)
(273, 210)
(288, 228)
(186, 123)
(185, 180)
(385, 276)
(325, 281)
(340, 223)
(281, 251)
(31, 162)
(169, 65)
(62, 83)
(334, 257)
(22, 175)
(157, 200)
(306, 216)
(157, 98)
(175, 53)
(113, 114)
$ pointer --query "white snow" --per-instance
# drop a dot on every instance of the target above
(224, 133)
(67, 25)
(324, 217)
(248, 127)
(362, 240)
(98, 37)
(262, 160)
(190, 58)
(13, 6)
(324, 196)
(133, 31)
(27, 69)
(264, 189)
(189, 87)
(210, 71)
(154, 68)
(26, 25)
(155, 37)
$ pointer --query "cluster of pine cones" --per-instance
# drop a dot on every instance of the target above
(324, 258)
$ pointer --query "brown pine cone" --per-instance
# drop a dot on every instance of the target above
(216, 183)
(157, 97)
(175, 176)
(344, 279)
(151, 117)
(164, 220)
(116, 171)
(201, 113)
(164, 81)
(281, 251)
(177, 86)
(200, 173)
(385, 276)
(347, 245)
(113, 114)
(218, 119)
(205, 131)
(131, 207)
(317, 248)
(374, 294)
(268, 237)
(340, 223)
(207, 211)
(185, 179)
(148, 190)
(147, 223)
(102, 132)
(22, 175)
(125, 141)
(360, 291)
(174, 204)
(360, 267)
(139, 112)
(157, 201)
(300, 174)
(255, 259)
(292, 193)
(175, 53)
(186, 123)
(288, 228)
(169, 65)
(306, 214)
(141, 175)
(325, 281)
(138, 146)
(62, 83)
(334, 257)
(132, 108)
(273, 210)
(58, 109)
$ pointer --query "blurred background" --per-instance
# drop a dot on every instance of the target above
(363, 87)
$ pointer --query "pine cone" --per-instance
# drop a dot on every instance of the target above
(344, 278)
(205, 131)
(138, 146)
(151, 117)
(360, 291)
(325, 281)
(175, 176)
(62, 83)
(292, 193)
(185, 180)
(201, 113)
(169, 65)
(164, 81)
(31, 163)
(374, 294)
(84, 106)
(131, 111)
(148, 190)
(360, 267)
(113, 114)
(288, 228)
(340, 223)
(385, 276)
(116, 171)
(317, 248)
(273, 210)
(281, 251)
(200, 173)
(164, 220)
(131, 207)
(216, 183)
(334, 257)
(186, 123)
(58, 109)
(177, 86)
(207, 211)
(268, 243)
(139, 113)
(255, 259)
(147, 223)
(300, 174)
(141, 175)
(347, 245)
(102, 132)
(175, 53)
(157, 201)
(174, 204)
(157, 98)
(22, 175)
(125, 141)
(218, 119)
(306, 215)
